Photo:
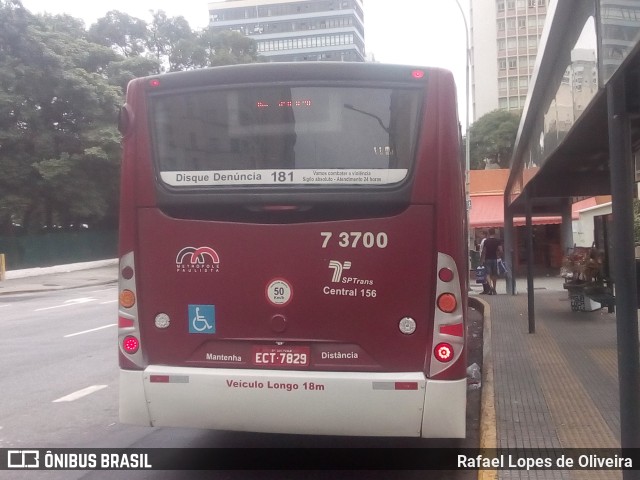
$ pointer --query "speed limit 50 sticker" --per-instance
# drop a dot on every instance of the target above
(279, 292)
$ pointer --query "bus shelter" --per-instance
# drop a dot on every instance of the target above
(578, 137)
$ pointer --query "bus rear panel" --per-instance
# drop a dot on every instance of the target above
(292, 254)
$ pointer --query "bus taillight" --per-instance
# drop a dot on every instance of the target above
(449, 325)
(130, 344)
(447, 302)
(127, 273)
(445, 274)
(127, 298)
(443, 352)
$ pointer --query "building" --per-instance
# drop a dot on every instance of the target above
(487, 211)
(504, 44)
(294, 31)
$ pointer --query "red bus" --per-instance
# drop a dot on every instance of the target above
(292, 251)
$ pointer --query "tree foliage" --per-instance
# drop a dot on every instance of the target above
(61, 86)
(492, 137)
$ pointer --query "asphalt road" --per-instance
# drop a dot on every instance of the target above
(59, 383)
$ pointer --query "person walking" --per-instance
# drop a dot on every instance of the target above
(486, 288)
(491, 251)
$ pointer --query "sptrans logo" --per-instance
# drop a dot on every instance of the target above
(338, 268)
(197, 260)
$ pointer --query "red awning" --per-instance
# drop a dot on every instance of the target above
(488, 211)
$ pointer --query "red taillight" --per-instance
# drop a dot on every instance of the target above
(125, 322)
(130, 344)
(445, 274)
(443, 352)
(417, 74)
(127, 273)
(447, 302)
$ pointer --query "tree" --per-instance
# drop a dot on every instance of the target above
(170, 41)
(59, 147)
(120, 31)
(60, 90)
(224, 48)
(493, 137)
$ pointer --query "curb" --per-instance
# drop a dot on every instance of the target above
(73, 267)
(488, 433)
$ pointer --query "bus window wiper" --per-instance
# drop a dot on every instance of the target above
(351, 107)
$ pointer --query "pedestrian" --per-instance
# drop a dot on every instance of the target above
(491, 251)
(486, 289)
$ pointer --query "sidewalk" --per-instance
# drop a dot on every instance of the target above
(60, 277)
(557, 387)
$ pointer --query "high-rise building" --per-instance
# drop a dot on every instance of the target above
(296, 30)
(504, 43)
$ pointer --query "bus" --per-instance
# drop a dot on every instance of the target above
(292, 253)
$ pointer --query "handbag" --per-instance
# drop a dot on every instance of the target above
(481, 274)
(502, 268)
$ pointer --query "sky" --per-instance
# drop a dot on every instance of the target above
(413, 32)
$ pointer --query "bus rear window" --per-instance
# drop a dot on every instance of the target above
(278, 135)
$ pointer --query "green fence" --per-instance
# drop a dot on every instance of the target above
(57, 248)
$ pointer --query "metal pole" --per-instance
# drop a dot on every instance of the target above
(624, 271)
(530, 301)
(467, 158)
(509, 241)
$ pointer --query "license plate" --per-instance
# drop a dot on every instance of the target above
(281, 356)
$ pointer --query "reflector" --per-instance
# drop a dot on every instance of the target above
(125, 322)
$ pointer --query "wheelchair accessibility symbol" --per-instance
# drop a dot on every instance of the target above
(202, 319)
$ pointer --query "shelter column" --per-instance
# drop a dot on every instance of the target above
(566, 229)
(509, 249)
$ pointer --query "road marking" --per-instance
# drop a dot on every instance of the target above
(89, 331)
(68, 303)
(5, 305)
(107, 302)
(80, 393)
(103, 290)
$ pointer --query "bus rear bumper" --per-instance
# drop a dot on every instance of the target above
(298, 402)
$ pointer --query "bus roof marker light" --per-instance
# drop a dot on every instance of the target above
(407, 325)
(417, 74)
(154, 83)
